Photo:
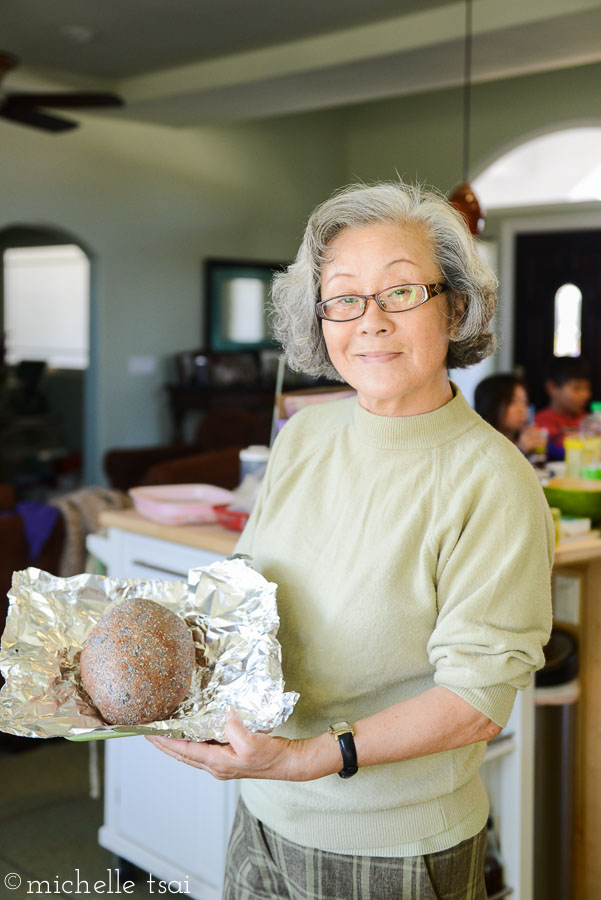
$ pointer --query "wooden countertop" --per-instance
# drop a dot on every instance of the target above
(204, 537)
(577, 550)
(214, 537)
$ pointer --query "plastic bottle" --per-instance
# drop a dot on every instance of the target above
(493, 867)
(573, 449)
(538, 455)
(590, 433)
(253, 460)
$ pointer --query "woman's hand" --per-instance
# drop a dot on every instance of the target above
(248, 755)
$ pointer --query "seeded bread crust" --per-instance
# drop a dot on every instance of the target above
(137, 663)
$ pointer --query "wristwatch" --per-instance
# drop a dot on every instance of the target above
(343, 732)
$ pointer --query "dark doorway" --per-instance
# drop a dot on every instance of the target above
(545, 262)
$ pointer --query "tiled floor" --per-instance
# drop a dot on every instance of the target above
(49, 826)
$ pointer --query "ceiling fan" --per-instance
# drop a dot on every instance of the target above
(24, 107)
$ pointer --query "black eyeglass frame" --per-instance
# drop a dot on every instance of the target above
(433, 289)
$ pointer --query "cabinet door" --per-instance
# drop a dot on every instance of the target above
(130, 555)
(508, 775)
(146, 557)
(166, 817)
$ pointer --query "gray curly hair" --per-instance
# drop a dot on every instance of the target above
(471, 284)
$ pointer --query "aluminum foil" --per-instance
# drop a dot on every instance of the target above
(230, 608)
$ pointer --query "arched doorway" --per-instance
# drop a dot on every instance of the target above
(545, 192)
(45, 314)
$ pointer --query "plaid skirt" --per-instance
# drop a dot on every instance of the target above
(261, 865)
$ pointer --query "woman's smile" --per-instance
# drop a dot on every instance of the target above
(378, 355)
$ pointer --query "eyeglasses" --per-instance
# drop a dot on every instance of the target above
(396, 299)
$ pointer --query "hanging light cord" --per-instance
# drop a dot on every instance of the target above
(467, 86)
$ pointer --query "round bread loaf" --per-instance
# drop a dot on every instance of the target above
(137, 663)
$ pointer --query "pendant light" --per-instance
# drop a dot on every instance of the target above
(463, 197)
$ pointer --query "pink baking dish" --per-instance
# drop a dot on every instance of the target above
(179, 504)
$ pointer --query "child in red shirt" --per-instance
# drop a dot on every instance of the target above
(568, 385)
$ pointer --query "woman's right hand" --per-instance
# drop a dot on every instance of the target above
(255, 755)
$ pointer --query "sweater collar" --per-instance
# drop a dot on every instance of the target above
(432, 429)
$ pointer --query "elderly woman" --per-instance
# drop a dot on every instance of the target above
(412, 547)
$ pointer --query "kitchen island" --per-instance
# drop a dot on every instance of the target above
(136, 547)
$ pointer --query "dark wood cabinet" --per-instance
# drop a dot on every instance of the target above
(184, 399)
(229, 381)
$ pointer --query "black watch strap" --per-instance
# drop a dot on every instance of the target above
(344, 734)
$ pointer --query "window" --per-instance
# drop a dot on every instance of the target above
(46, 305)
(567, 327)
(563, 167)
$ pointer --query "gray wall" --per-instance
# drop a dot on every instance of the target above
(148, 204)
(421, 136)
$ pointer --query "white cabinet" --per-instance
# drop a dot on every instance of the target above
(508, 773)
(165, 817)
(130, 555)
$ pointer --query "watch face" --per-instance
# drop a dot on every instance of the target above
(341, 728)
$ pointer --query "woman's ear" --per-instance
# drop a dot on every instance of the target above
(458, 309)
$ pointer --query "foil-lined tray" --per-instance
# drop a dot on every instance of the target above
(230, 609)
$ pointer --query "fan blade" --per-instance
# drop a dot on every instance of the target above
(70, 100)
(34, 118)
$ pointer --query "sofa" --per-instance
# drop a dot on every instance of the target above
(213, 458)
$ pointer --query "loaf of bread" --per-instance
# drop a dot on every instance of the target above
(137, 663)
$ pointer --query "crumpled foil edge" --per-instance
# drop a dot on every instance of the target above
(230, 609)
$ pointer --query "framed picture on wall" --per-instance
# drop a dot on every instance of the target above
(237, 295)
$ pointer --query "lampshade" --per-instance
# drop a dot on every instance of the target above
(465, 201)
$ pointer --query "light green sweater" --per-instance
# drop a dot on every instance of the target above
(408, 552)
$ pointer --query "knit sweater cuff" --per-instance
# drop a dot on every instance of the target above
(495, 701)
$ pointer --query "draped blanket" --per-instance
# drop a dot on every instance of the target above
(80, 510)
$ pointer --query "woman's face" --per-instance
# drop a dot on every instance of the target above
(517, 413)
(395, 361)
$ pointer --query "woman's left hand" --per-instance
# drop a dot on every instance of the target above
(246, 755)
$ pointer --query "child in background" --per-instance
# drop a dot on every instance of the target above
(502, 400)
(568, 385)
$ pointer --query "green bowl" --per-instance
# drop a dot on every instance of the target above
(575, 499)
